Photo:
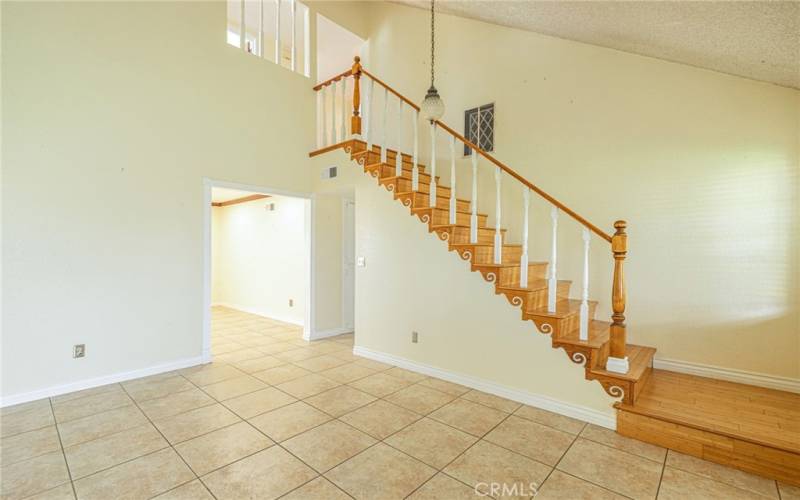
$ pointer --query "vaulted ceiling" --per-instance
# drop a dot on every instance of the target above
(753, 39)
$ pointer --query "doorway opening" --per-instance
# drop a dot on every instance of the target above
(258, 274)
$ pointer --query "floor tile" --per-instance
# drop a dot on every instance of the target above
(150, 389)
(561, 486)
(373, 365)
(431, 442)
(195, 422)
(399, 474)
(380, 419)
(211, 373)
(308, 385)
(174, 404)
(29, 445)
(320, 363)
(288, 421)
(259, 364)
(492, 401)
(406, 375)
(233, 387)
(318, 489)
(29, 419)
(723, 474)
(93, 456)
(144, 477)
(469, 417)
(31, 405)
(296, 354)
(445, 386)
(222, 447)
(103, 389)
(380, 384)
(340, 400)
(238, 356)
(256, 403)
(194, 490)
(276, 348)
(533, 440)
(679, 485)
(328, 445)
(420, 399)
(89, 405)
(550, 419)
(100, 424)
(267, 474)
(281, 374)
(789, 492)
(614, 440)
(347, 373)
(443, 487)
(621, 472)
(62, 492)
(35, 475)
(225, 347)
(485, 464)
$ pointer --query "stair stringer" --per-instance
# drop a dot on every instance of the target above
(420, 287)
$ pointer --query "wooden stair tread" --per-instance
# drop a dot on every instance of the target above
(640, 359)
(492, 265)
(505, 245)
(399, 193)
(564, 308)
(599, 332)
(466, 226)
(447, 210)
(533, 285)
(696, 402)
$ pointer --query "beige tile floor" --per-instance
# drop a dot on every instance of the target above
(274, 416)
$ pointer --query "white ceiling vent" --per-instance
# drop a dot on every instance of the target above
(329, 172)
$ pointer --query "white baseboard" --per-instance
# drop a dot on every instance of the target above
(258, 312)
(607, 420)
(729, 374)
(323, 334)
(80, 385)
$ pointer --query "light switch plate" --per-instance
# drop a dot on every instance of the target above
(361, 262)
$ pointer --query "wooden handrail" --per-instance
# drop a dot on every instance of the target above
(343, 74)
(486, 155)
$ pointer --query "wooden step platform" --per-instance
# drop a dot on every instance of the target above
(743, 426)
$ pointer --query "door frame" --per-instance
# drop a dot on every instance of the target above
(345, 201)
(208, 184)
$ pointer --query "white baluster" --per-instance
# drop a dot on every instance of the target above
(368, 117)
(498, 237)
(294, 35)
(345, 109)
(242, 28)
(584, 326)
(261, 28)
(320, 118)
(383, 128)
(473, 218)
(415, 171)
(334, 86)
(453, 217)
(552, 284)
(398, 160)
(432, 196)
(523, 260)
(278, 32)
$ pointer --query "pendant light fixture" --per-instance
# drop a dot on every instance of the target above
(432, 107)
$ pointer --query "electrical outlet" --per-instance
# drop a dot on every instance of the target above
(79, 350)
(414, 337)
(291, 302)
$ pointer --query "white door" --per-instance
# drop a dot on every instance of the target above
(348, 263)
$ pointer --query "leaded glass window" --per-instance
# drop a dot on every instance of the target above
(479, 127)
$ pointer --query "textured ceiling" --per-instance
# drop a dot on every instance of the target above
(758, 40)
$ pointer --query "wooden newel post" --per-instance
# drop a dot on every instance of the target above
(617, 361)
(355, 124)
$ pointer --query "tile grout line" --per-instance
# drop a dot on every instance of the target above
(63, 452)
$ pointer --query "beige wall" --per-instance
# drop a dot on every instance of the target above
(704, 166)
(262, 258)
(113, 113)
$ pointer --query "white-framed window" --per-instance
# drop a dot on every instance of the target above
(276, 30)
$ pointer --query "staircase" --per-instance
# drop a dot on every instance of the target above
(624, 370)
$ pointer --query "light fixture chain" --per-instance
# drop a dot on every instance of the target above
(432, 43)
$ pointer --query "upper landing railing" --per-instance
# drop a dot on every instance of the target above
(332, 122)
